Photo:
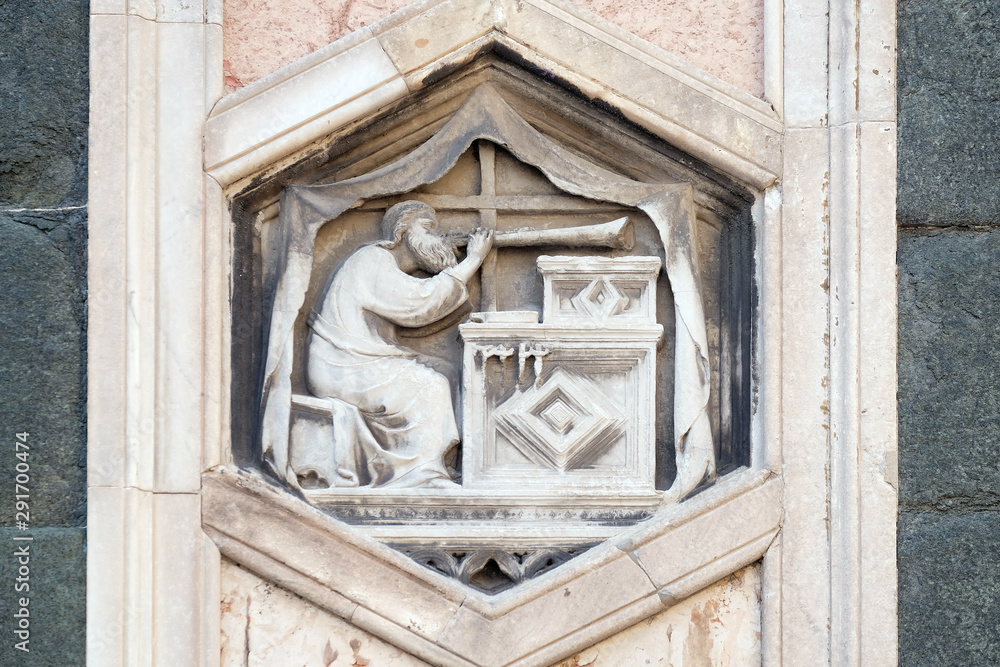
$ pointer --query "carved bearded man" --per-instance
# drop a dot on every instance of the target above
(353, 355)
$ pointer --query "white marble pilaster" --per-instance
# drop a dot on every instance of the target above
(178, 581)
(106, 302)
(805, 604)
(804, 63)
(863, 323)
(774, 53)
(180, 11)
(148, 562)
(180, 213)
(105, 554)
(840, 549)
(139, 561)
(877, 469)
(143, 8)
(877, 331)
(108, 6)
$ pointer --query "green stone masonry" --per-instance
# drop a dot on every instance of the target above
(43, 292)
(949, 338)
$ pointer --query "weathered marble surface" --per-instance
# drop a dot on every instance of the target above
(719, 626)
(42, 378)
(263, 624)
(949, 370)
(949, 472)
(723, 37)
(43, 103)
(57, 598)
(949, 581)
(266, 626)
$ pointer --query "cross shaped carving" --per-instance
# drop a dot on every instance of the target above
(489, 205)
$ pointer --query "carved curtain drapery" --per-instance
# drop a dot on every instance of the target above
(485, 115)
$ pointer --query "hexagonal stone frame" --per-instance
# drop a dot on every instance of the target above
(683, 547)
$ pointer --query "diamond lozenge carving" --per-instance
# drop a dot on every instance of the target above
(565, 423)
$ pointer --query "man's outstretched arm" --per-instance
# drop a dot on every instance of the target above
(415, 302)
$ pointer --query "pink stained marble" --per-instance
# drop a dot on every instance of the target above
(723, 37)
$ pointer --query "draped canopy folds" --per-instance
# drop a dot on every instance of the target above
(485, 115)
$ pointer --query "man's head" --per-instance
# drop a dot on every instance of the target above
(411, 222)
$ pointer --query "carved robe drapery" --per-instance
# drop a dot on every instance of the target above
(352, 355)
(485, 115)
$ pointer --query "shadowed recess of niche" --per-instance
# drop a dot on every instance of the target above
(725, 242)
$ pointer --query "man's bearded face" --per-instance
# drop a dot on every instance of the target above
(432, 252)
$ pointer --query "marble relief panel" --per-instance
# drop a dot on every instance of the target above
(562, 408)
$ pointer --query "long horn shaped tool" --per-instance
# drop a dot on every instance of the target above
(617, 234)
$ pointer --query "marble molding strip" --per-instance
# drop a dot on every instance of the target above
(602, 591)
(162, 11)
(834, 585)
(152, 569)
(375, 66)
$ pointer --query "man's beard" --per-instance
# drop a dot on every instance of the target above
(432, 252)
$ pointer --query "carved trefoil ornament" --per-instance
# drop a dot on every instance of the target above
(491, 570)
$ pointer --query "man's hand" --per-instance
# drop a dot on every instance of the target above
(480, 243)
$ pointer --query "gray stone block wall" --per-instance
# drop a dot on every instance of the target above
(949, 100)
(949, 332)
(43, 281)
